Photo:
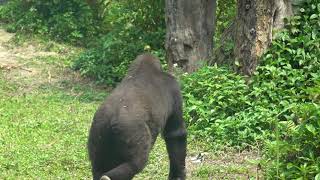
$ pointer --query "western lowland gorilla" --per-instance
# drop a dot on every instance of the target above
(147, 102)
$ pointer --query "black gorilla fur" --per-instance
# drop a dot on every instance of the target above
(147, 102)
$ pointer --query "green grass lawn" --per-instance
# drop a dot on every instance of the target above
(45, 113)
(43, 132)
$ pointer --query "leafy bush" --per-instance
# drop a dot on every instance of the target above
(291, 74)
(212, 97)
(223, 108)
(226, 13)
(70, 21)
(297, 155)
(134, 28)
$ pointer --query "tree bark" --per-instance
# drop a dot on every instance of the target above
(190, 28)
(224, 53)
(255, 22)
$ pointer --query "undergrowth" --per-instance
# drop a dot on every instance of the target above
(135, 28)
(278, 108)
(71, 21)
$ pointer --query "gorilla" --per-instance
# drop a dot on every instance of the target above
(147, 102)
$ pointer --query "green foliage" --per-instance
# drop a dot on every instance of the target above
(297, 155)
(134, 28)
(221, 107)
(225, 15)
(291, 74)
(70, 21)
(212, 97)
(225, 33)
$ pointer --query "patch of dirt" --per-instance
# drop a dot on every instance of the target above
(10, 59)
(226, 165)
(14, 62)
(31, 51)
(30, 65)
(5, 36)
(7, 59)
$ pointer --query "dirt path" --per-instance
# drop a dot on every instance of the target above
(7, 58)
(30, 66)
(9, 55)
(14, 60)
(32, 63)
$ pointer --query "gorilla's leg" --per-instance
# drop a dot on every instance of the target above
(175, 136)
(102, 163)
(100, 157)
(124, 171)
(97, 169)
(132, 145)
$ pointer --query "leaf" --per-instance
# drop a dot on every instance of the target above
(311, 128)
(317, 177)
(290, 165)
(313, 35)
(268, 56)
(313, 16)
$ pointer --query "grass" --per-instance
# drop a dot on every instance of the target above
(45, 113)
(43, 132)
(44, 135)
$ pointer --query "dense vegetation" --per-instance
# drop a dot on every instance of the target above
(278, 109)
(135, 27)
(70, 21)
(126, 28)
(291, 70)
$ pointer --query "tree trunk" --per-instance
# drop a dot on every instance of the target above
(224, 53)
(255, 22)
(190, 28)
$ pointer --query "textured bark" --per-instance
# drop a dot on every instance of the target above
(190, 29)
(281, 10)
(255, 22)
(224, 54)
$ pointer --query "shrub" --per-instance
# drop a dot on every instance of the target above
(290, 73)
(213, 96)
(225, 15)
(135, 28)
(222, 108)
(70, 21)
(297, 155)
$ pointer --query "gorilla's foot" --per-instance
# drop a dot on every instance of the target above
(105, 178)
